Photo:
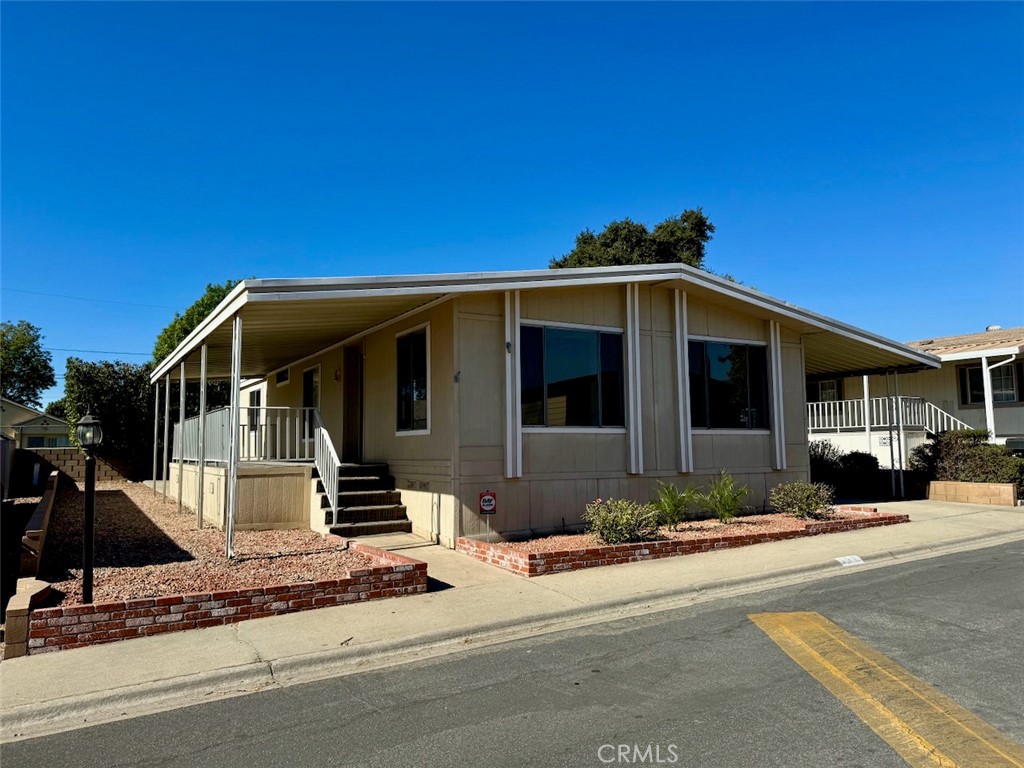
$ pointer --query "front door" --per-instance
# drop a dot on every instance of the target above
(310, 399)
(352, 431)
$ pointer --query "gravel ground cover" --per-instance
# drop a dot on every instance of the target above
(697, 529)
(145, 548)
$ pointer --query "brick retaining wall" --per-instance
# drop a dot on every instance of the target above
(540, 563)
(71, 461)
(75, 626)
(998, 494)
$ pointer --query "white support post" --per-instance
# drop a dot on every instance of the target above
(517, 383)
(867, 415)
(156, 431)
(181, 433)
(634, 425)
(233, 438)
(201, 469)
(167, 427)
(778, 412)
(899, 428)
(683, 382)
(990, 413)
(513, 422)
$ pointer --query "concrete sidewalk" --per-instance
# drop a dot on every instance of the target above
(471, 604)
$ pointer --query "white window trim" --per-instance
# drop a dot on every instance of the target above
(430, 386)
(287, 377)
(538, 428)
(724, 340)
(1013, 384)
(573, 326)
(722, 431)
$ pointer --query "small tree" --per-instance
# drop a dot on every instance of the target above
(26, 369)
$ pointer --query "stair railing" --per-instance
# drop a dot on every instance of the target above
(327, 463)
(937, 420)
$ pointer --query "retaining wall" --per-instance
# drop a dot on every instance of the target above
(540, 563)
(998, 494)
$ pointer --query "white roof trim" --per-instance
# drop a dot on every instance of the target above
(326, 288)
(977, 354)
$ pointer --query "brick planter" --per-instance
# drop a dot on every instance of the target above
(998, 494)
(75, 626)
(540, 563)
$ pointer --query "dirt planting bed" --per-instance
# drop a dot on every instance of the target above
(553, 554)
(146, 548)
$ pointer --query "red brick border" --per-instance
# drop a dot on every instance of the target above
(540, 563)
(75, 626)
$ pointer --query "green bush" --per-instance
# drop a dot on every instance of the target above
(725, 497)
(674, 505)
(621, 521)
(803, 499)
(856, 462)
(966, 455)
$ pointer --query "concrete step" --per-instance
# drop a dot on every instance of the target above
(377, 469)
(369, 498)
(347, 484)
(369, 514)
(350, 530)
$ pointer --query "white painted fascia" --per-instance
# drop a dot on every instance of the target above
(980, 353)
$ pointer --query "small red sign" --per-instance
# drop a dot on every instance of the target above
(488, 503)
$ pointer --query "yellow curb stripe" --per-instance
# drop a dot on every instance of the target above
(925, 727)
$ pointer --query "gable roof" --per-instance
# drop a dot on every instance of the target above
(17, 412)
(284, 320)
(1006, 341)
(43, 420)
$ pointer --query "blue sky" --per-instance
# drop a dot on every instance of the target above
(863, 160)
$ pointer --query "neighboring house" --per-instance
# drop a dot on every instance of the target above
(549, 388)
(980, 385)
(30, 428)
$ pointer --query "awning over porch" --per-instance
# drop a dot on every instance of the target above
(285, 320)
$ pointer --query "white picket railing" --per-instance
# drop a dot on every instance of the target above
(937, 420)
(265, 434)
(327, 464)
(912, 412)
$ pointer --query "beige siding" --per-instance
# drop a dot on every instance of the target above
(563, 471)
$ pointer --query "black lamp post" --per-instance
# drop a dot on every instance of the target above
(90, 435)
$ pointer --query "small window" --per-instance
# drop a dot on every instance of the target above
(281, 377)
(571, 378)
(728, 385)
(36, 441)
(1006, 384)
(255, 401)
(412, 373)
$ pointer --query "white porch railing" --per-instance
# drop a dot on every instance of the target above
(914, 413)
(265, 434)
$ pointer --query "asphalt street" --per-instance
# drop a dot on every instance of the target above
(700, 686)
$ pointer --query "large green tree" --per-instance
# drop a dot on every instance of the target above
(120, 396)
(26, 369)
(622, 243)
(184, 323)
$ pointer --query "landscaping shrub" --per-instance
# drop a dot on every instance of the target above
(621, 521)
(965, 455)
(856, 462)
(725, 497)
(825, 458)
(803, 499)
(674, 505)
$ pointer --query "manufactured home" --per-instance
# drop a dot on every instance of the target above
(372, 404)
(979, 385)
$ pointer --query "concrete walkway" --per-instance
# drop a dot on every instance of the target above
(470, 604)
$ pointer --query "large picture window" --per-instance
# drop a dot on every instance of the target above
(728, 385)
(413, 403)
(571, 378)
